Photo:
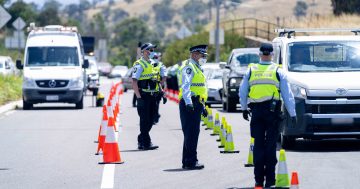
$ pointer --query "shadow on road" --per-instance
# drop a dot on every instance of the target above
(333, 145)
(135, 150)
(4, 169)
(177, 170)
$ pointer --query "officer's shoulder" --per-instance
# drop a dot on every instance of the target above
(187, 69)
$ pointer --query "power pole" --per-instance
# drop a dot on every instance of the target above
(217, 31)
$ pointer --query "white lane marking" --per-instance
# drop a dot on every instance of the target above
(109, 170)
(108, 176)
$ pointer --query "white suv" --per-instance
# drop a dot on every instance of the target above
(323, 72)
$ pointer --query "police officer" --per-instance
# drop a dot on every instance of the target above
(161, 77)
(146, 89)
(193, 95)
(262, 86)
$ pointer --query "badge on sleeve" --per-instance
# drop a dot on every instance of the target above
(135, 69)
(188, 71)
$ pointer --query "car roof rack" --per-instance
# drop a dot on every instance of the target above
(289, 31)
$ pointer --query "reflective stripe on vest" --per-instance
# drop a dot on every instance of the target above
(264, 85)
(198, 82)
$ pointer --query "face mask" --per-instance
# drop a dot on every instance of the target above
(202, 61)
(152, 54)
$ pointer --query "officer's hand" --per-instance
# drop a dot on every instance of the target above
(189, 108)
(246, 114)
(294, 121)
(140, 102)
(205, 112)
(164, 99)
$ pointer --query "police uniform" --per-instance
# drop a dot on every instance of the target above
(160, 70)
(145, 74)
(262, 86)
(193, 95)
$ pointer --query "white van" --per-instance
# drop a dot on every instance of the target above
(53, 66)
(323, 72)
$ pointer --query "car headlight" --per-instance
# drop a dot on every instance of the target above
(298, 92)
(28, 82)
(76, 83)
(235, 82)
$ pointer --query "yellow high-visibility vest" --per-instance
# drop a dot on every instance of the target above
(149, 73)
(263, 82)
(198, 82)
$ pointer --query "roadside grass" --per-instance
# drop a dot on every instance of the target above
(10, 88)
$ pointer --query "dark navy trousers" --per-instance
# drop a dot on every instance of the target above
(265, 130)
(190, 123)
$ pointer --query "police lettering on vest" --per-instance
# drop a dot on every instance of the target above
(264, 84)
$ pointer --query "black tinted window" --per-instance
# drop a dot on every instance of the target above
(52, 56)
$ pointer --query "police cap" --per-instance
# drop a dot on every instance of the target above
(266, 48)
(199, 48)
(147, 46)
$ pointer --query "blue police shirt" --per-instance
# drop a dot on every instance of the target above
(285, 91)
(187, 75)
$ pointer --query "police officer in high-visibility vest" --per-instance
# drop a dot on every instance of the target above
(262, 86)
(146, 89)
(193, 95)
(160, 70)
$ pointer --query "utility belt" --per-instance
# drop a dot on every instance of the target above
(196, 100)
(271, 105)
(148, 84)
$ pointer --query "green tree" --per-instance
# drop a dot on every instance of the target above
(49, 16)
(51, 4)
(4, 2)
(179, 50)
(23, 10)
(98, 27)
(192, 11)
(300, 9)
(163, 12)
(348, 6)
(127, 34)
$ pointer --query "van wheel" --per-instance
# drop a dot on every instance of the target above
(80, 104)
(27, 106)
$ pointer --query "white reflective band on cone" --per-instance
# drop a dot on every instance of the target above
(110, 112)
(210, 118)
(103, 127)
(229, 137)
(217, 122)
(224, 132)
(282, 168)
(110, 135)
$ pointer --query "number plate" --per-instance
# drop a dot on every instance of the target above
(52, 98)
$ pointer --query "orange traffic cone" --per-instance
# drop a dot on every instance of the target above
(177, 100)
(102, 132)
(110, 113)
(111, 153)
(258, 187)
(294, 181)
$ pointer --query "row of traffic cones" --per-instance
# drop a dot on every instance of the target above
(107, 139)
(172, 95)
(224, 131)
(221, 129)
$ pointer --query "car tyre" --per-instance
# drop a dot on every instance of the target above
(80, 105)
(230, 105)
(27, 106)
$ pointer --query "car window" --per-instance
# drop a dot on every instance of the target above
(244, 60)
(324, 56)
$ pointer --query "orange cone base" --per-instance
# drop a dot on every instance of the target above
(100, 144)
(111, 153)
(229, 152)
(248, 165)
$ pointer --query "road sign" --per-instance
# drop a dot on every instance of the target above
(221, 37)
(14, 43)
(4, 17)
(19, 23)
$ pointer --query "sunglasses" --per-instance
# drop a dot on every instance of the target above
(151, 50)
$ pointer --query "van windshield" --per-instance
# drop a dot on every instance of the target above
(339, 56)
(52, 56)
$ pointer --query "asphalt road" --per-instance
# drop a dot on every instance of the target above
(53, 146)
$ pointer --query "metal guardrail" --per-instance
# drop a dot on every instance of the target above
(251, 27)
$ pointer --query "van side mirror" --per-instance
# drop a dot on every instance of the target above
(85, 64)
(222, 65)
(19, 65)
